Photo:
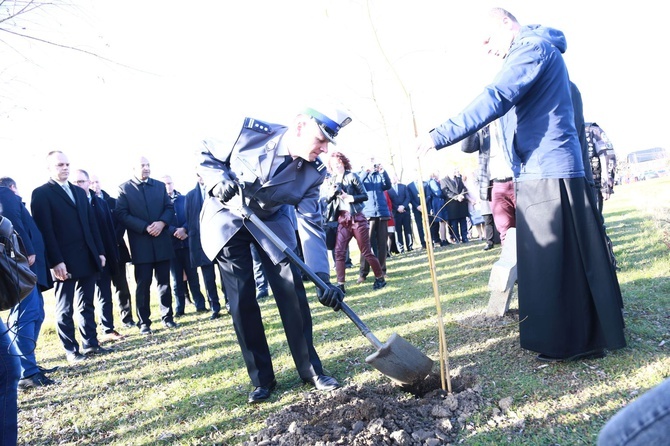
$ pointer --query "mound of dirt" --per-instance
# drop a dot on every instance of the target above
(383, 415)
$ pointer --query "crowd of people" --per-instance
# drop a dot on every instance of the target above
(535, 183)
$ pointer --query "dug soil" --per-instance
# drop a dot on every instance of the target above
(376, 415)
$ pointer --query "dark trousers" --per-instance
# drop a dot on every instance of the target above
(492, 236)
(120, 282)
(291, 299)
(180, 265)
(459, 226)
(357, 228)
(143, 278)
(209, 278)
(259, 276)
(76, 296)
(403, 231)
(104, 301)
(418, 220)
(378, 242)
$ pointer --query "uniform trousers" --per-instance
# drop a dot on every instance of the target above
(291, 299)
(143, 274)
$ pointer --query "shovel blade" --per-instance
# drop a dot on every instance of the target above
(401, 361)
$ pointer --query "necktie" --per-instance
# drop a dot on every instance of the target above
(68, 191)
(287, 160)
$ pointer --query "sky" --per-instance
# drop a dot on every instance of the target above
(153, 78)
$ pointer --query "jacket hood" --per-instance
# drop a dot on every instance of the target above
(551, 35)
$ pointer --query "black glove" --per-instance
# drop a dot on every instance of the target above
(225, 190)
(332, 295)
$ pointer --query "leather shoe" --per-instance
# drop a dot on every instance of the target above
(129, 324)
(74, 358)
(97, 350)
(170, 324)
(261, 393)
(112, 336)
(145, 330)
(487, 247)
(44, 370)
(323, 382)
(215, 315)
(36, 380)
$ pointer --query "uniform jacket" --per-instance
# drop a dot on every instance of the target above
(70, 230)
(137, 212)
(532, 92)
(376, 183)
(193, 204)
(269, 198)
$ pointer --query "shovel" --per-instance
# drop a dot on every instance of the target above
(397, 358)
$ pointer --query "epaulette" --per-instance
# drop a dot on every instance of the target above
(257, 126)
(320, 166)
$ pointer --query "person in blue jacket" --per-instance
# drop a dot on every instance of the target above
(569, 298)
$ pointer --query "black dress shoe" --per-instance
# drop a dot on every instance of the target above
(36, 380)
(97, 350)
(170, 324)
(261, 393)
(323, 382)
(145, 330)
(75, 358)
(487, 247)
(46, 369)
(593, 354)
(215, 315)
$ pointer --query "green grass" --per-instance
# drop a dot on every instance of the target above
(189, 386)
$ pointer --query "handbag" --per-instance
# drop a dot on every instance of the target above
(16, 278)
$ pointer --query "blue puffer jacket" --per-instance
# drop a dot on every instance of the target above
(532, 92)
(375, 184)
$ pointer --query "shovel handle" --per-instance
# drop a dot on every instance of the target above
(293, 257)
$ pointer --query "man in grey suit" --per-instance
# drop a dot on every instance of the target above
(279, 167)
(145, 209)
(74, 252)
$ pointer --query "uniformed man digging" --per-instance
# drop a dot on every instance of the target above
(280, 169)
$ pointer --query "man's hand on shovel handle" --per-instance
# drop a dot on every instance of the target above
(332, 295)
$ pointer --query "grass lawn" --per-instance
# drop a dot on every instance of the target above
(188, 386)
